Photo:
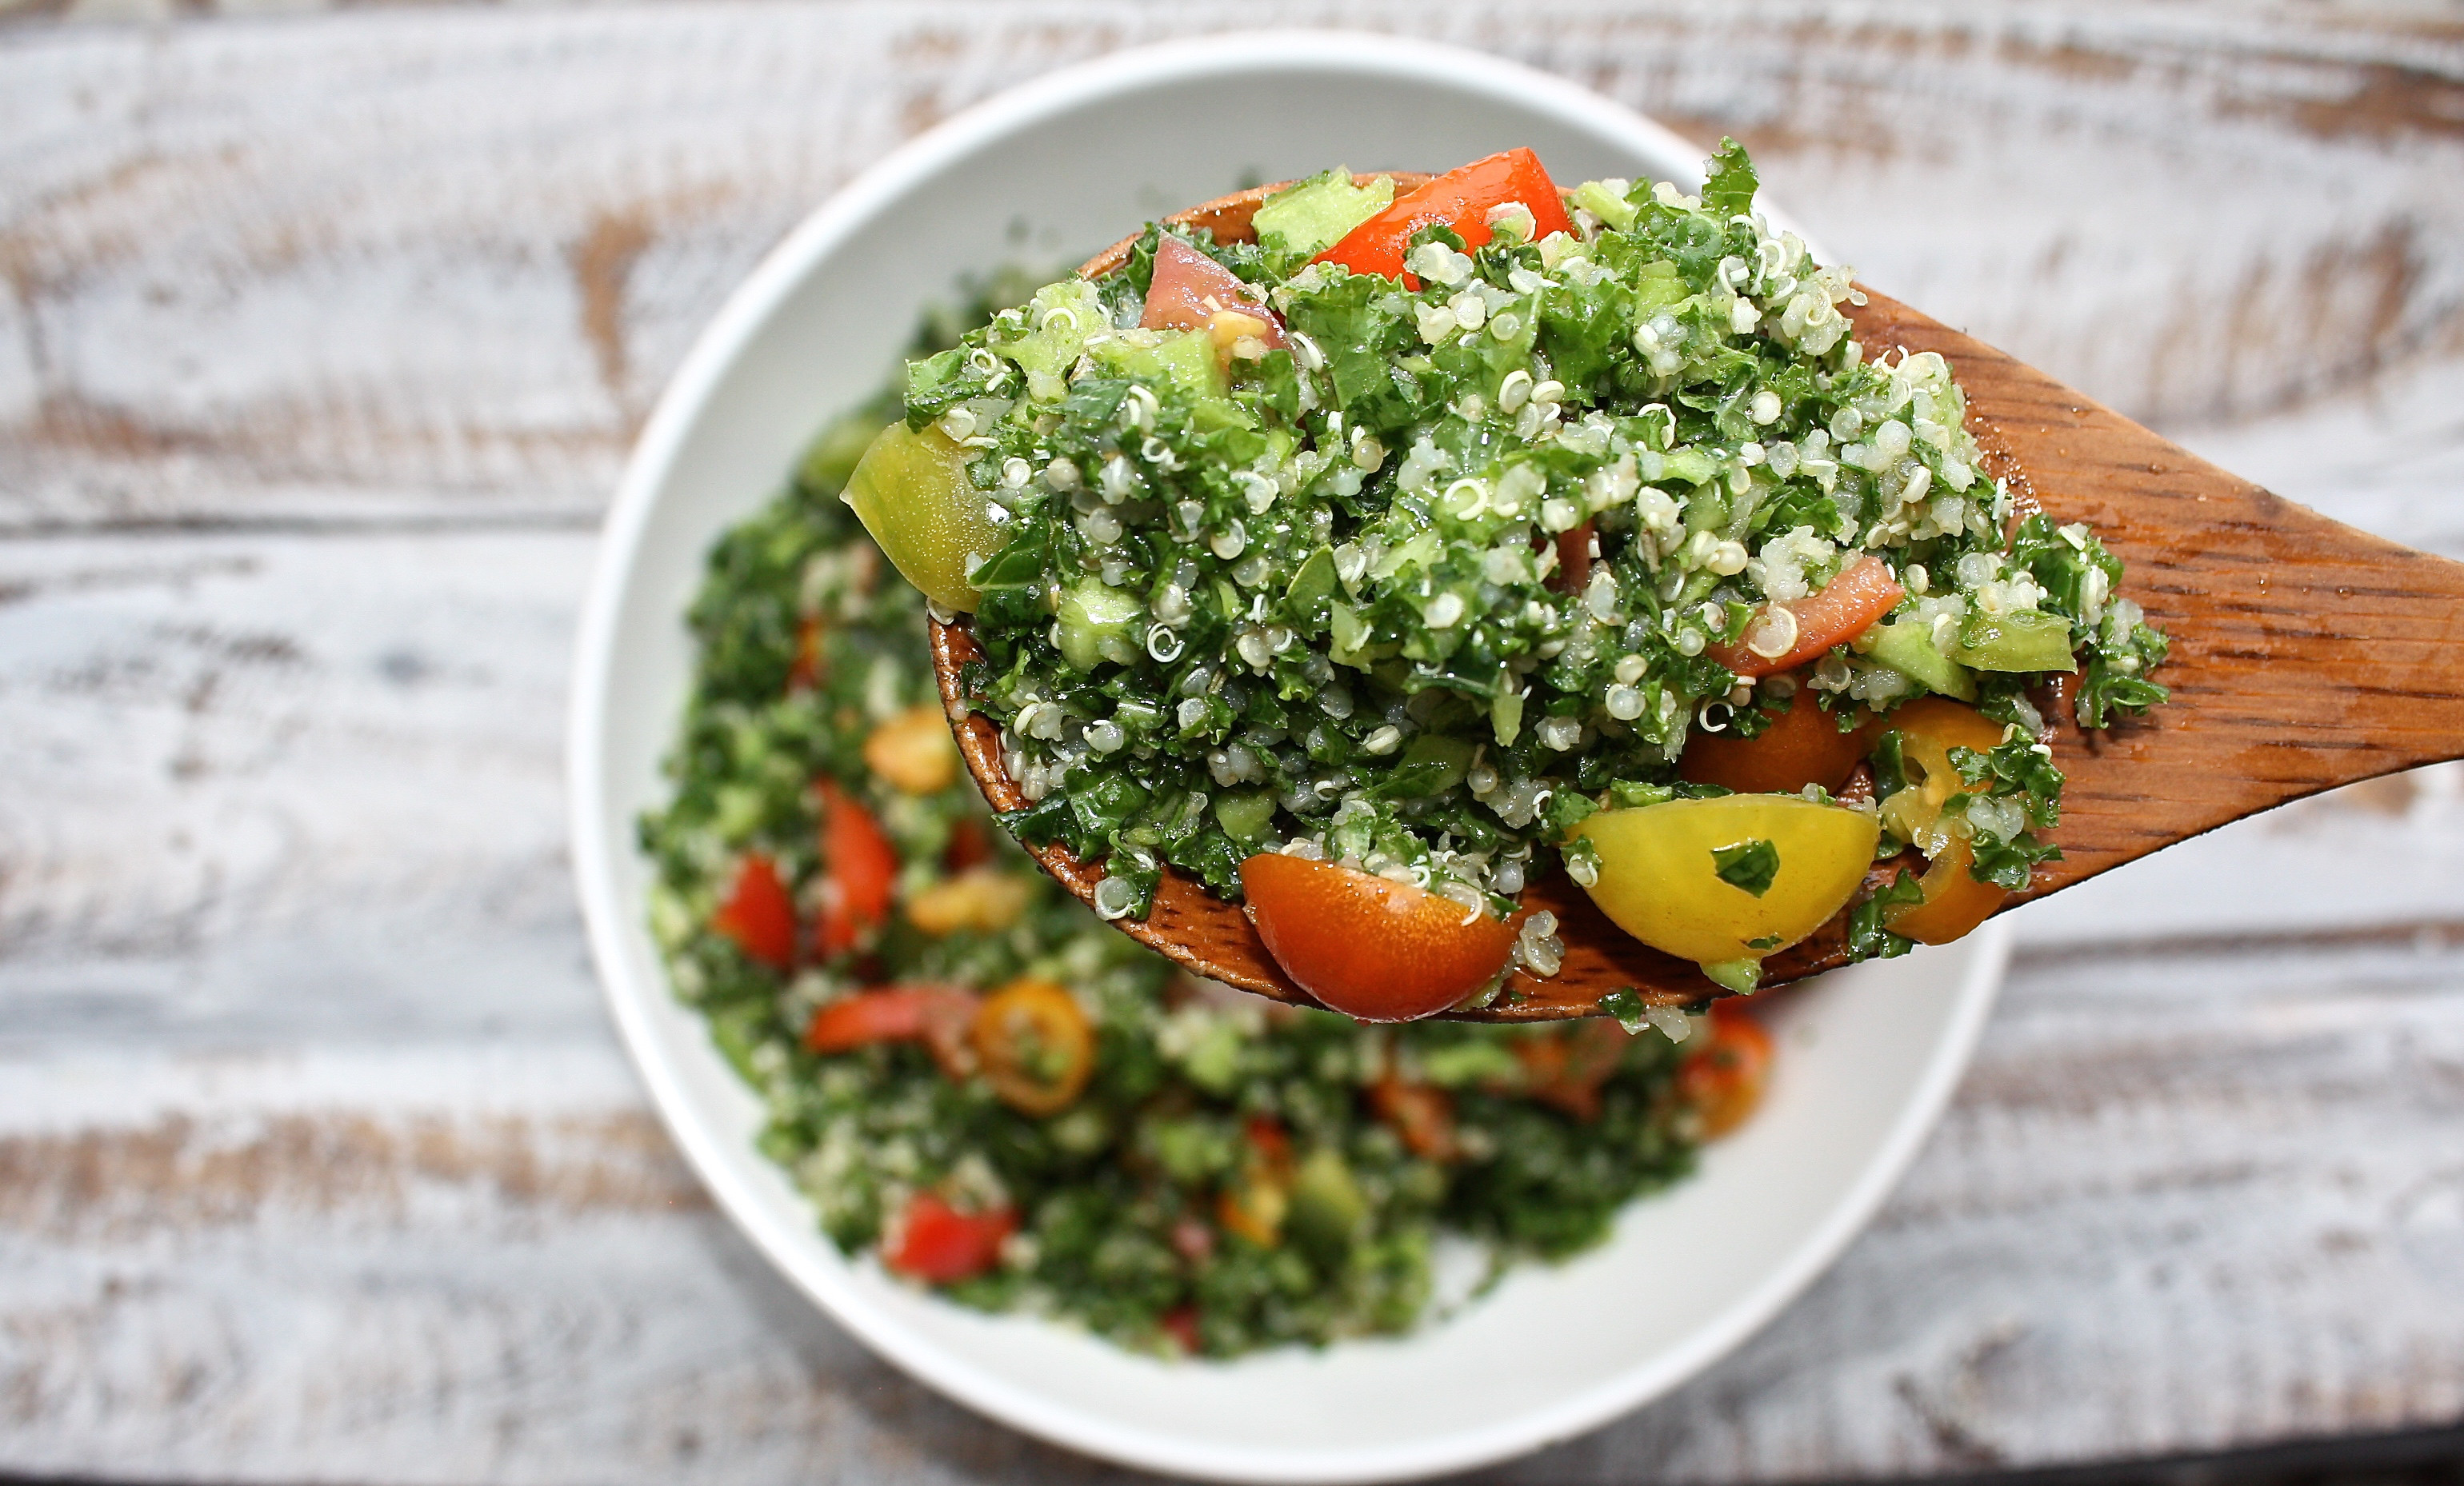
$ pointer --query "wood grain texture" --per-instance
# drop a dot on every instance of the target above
(321, 340)
(2306, 654)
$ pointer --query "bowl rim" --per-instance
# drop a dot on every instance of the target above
(607, 915)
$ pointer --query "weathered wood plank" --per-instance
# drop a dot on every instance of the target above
(301, 1050)
(2182, 1203)
(461, 288)
(286, 789)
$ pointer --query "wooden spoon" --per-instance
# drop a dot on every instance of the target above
(2305, 654)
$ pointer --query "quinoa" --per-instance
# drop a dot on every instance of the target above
(1456, 565)
(1142, 1210)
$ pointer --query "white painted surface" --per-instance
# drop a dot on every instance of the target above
(316, 1158)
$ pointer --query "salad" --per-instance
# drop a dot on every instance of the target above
(974, 1079)
(1434, 541)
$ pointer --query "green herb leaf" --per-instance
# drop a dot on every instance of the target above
(1749, 866)
(1731, 188)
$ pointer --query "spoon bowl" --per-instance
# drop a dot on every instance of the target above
(2305, 654)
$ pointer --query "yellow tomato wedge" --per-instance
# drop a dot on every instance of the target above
(1035, 1046)
(1929, 729)
(911, 492)
(1732, 878)
(912, 749)
(1954, 901)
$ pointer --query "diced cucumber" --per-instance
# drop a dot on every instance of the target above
(1691, 465)
(1095, 625)
(1434, 764)
(1610, 206)
(1245, 816)
(1064, 316)
(1657, 287)
(1740, 977)
(1328, 1214)
(1317, 214)
(1185, 359)
(1906, 647)
(2030, 640)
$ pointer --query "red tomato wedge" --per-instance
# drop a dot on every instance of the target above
(940, 1245)
(858, 864)
(1190, 290)
(1180, 1324)
(759, 914)
(1267, 1140)
(942, 1017)
(1574, 561)
(1724, 1078)
(1369, 947)
(1849, 605)
(1801, 746)
(1461, 199)
(969, 846)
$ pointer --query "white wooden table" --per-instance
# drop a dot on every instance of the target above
(322, 337)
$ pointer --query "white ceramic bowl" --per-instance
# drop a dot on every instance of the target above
(1049, 173)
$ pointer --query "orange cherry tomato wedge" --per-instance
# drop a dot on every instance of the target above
(1256, 1203)
(1034, 1046)
(1565, 1069)
(1461, 199)
(940, 1245)
(942, 1017)
(1724, 1078)
(759, 914)
(859, 867)
(1422, 1116)
(1372, 948)
(1180, 1324)
(1801, 629)
(1190, 290)
(1955, 903)
(1802, 745)
(1949, 724)
(805, 671)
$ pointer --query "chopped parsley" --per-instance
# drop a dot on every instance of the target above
(1747, 865)
(1450, 566)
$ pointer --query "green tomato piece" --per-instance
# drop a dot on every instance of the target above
(1245, 815)
(1906, 647)
(1329, 1213)
(2025, 642)
(911, 492)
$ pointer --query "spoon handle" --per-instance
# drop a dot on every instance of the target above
(2306, 654)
